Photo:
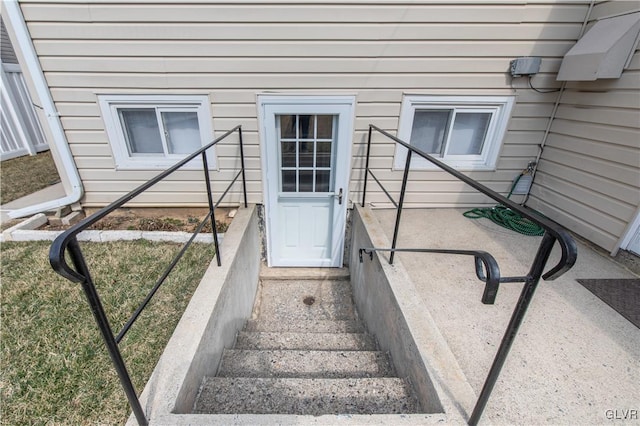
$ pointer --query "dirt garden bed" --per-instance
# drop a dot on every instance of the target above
(152, 219)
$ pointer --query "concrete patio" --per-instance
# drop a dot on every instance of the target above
(575, 359)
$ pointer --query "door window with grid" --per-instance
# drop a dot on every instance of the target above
(306, 146)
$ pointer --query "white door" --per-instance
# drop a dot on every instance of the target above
(306, 151)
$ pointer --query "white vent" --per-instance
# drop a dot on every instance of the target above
(604, 51)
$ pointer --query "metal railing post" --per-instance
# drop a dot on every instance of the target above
(537, 268)
(205, 165)
(105, 329)
(366, 167)
(405, 177)
(244, 182)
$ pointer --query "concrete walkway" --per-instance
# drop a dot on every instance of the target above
(49, 193)
(575, 359)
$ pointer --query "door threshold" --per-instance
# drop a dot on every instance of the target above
(291, 273)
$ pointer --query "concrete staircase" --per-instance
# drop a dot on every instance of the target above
(304, 352)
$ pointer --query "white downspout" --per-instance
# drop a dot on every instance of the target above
(32, 66)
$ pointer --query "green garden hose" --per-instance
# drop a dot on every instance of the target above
(506, 217)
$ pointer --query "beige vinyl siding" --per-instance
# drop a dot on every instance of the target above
(231, 52)
(589, 174)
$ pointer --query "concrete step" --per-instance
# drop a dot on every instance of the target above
(300, 341)
(267, 273)
(305, 299)
(304, 396)
(305, 326)
(303, 364)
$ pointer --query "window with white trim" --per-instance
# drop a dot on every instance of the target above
(464, 132)
(153, 132)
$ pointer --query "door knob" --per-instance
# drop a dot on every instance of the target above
(339, 195)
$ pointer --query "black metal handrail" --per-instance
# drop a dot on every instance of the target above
(490, 275)
(553, 232)
(68, 242)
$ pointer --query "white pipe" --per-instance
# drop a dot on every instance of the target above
(552, 117)
(32, 66)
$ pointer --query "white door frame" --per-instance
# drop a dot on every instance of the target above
(344, 107)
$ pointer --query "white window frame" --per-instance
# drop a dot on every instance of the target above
(500, 108)
(109, 105)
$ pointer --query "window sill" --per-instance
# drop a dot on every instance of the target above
(459, 169)
(195, 164)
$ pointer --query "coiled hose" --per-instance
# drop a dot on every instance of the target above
(506, 217)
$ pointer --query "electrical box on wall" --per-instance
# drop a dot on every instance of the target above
(526, 65)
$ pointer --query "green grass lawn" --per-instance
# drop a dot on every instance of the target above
(25, 175)
(54, 366)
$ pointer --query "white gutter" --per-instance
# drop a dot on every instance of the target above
(32, 66)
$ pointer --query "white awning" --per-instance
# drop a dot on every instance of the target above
(604, 51)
